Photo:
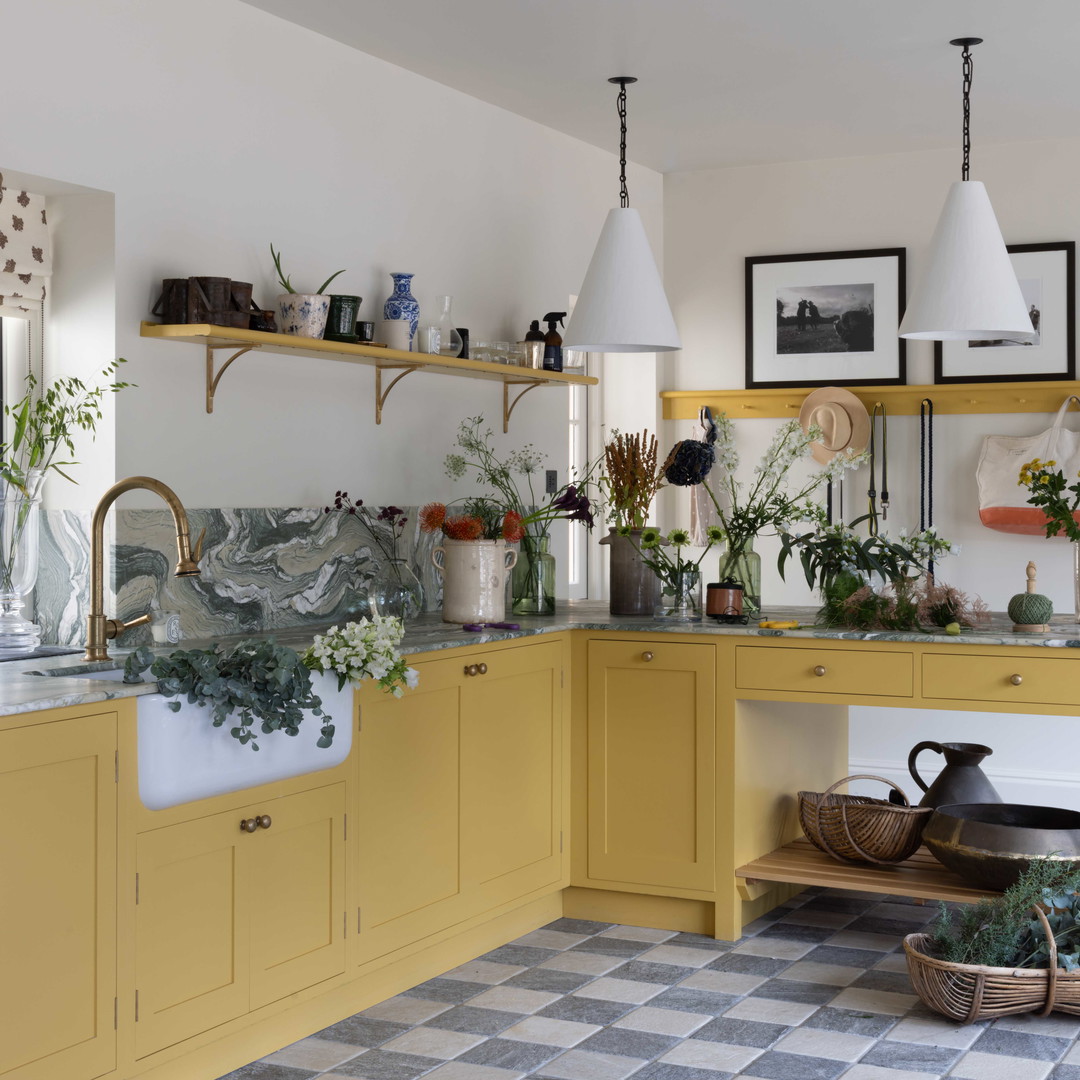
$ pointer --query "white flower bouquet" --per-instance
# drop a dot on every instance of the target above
(364, 650)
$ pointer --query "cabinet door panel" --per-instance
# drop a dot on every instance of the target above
(58, 899)
(407, 832)
(509, 772)
(191, 935)
(651, 770)
(298, 894)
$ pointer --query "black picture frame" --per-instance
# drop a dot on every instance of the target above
(1053, 358)
(781, 351)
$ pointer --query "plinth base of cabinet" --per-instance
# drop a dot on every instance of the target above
(637, 909)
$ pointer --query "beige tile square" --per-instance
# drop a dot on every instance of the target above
(776, 948)
(663, 1021)
(873, 1001)
(768, 1011)
(483, 971)
(579, 1065)
(817, 1042)
(638, 933)
(702, 1054)
(625, 990)
(583, 963)
(313, 1054)
(549, 1031)
(1064, 1027)
(1073, 1056)
(680, 955)
(917, 1029)
(976, 1066)
(896, 961)
(462, 1070)
(406, 1010)
(723, 982)
(855, 939)
(513, 999)
(433, 1043)
(820, 918)
(876, 1072)
(549, 939)
(825, 974)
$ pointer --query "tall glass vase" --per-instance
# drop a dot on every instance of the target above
(18, 564)
(533, 578)
(742, 565)
(680, 596)
(1076, 579)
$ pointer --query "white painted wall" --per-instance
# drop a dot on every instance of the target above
(219, 129)
(713, 219)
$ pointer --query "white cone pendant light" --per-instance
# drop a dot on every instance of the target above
(621, 306)
(969, 290)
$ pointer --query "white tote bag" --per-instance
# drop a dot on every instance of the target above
(1002, 500)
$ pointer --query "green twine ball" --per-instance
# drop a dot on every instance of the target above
(1029, 609)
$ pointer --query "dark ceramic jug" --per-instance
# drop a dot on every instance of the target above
(961, 781)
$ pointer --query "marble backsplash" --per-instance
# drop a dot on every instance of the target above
(262, 569)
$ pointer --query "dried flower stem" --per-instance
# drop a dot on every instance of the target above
(632, 477)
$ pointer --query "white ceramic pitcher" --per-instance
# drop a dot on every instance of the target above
(474, 579)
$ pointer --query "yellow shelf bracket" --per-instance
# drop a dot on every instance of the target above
(508, 405)
(380, 394)
(212, 380)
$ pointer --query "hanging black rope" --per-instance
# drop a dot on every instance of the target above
(968, 71)
(622, 81)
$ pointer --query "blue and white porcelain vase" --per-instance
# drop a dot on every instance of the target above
(401, 304)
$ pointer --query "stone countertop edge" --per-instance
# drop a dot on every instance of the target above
(22, 692)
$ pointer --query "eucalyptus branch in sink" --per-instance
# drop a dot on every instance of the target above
(253, 684)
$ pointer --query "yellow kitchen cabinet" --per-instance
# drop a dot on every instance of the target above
(228, 920)
(58, 897)
(460, 792)
(650, 768)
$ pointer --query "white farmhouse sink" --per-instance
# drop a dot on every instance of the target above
(182, 756)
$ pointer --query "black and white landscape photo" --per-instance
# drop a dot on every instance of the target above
(815, 319)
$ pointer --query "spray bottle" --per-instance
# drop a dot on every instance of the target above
(553, 341)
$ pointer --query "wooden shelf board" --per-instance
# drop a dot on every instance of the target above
(948, 398)
(920, 876)
(227, 337)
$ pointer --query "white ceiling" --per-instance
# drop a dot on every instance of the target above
(736, 82)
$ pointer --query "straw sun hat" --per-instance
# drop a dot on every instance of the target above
(843, 419)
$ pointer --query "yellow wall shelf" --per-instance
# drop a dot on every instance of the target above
(1001, 397)
(239, 342)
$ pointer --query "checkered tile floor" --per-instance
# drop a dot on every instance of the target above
(815, 990)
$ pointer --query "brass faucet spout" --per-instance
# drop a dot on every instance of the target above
(99, 628)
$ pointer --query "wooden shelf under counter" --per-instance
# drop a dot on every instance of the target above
(800, 863)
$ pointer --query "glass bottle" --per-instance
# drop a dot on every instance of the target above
(395, 590)
(680, 596)
(533, 578)
(742, 565)
(449, 338)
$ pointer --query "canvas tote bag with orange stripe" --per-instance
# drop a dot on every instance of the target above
(1002, 501)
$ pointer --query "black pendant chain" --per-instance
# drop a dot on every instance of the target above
(968, 72)
(872, 493)
(926, 470)
(622, 80)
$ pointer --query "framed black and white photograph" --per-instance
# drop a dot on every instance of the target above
(1047, 276)
(828, 318)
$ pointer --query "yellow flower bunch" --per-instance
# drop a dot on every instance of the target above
(1048, 491)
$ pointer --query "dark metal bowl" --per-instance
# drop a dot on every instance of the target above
(991, 844)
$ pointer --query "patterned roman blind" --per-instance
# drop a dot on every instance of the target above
(25, 251)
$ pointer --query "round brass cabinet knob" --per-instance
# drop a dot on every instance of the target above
(471, 669)
(263, 821)
(819, 671)
(646, 656)
(248, 825)
(1016, 680)
(482, 668)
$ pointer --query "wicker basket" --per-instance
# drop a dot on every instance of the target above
(857, 828)
(970, 992)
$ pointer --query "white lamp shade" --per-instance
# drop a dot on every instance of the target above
(621, 306)
(969, 291)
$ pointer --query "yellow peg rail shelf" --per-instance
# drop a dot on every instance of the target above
(392, 361)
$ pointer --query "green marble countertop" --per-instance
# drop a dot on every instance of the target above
(21, 691)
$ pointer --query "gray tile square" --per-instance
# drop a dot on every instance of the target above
(844, 957)
(578, 926)
(556, 982)
(746, 964)
(662, 1070)
(847, 904)
(800, 932)
(473, 1020)
(386, 1065)
(1062, 1072)
(643, 971)
(697, 941)
(586, 1010)
(449, 991)
(510, 1054)
(869, 924)
(626, 1042)
(790, 990)
(741, 1032)
(521, 955)
(1020, 1045)
(915, 1057)
(775, 1065)
(697, 1001)
(850, 1023)
(362, 1031)
(613, 946)
(894, 982)
(261, 1070)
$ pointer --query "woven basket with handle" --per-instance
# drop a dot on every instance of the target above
(857, 828)
(970, 992)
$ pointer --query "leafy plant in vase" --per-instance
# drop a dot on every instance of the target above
(303, 314)
(1059, 502)
(679, 575)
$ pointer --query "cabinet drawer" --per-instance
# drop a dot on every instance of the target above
(1005, 679)
(823, 671)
